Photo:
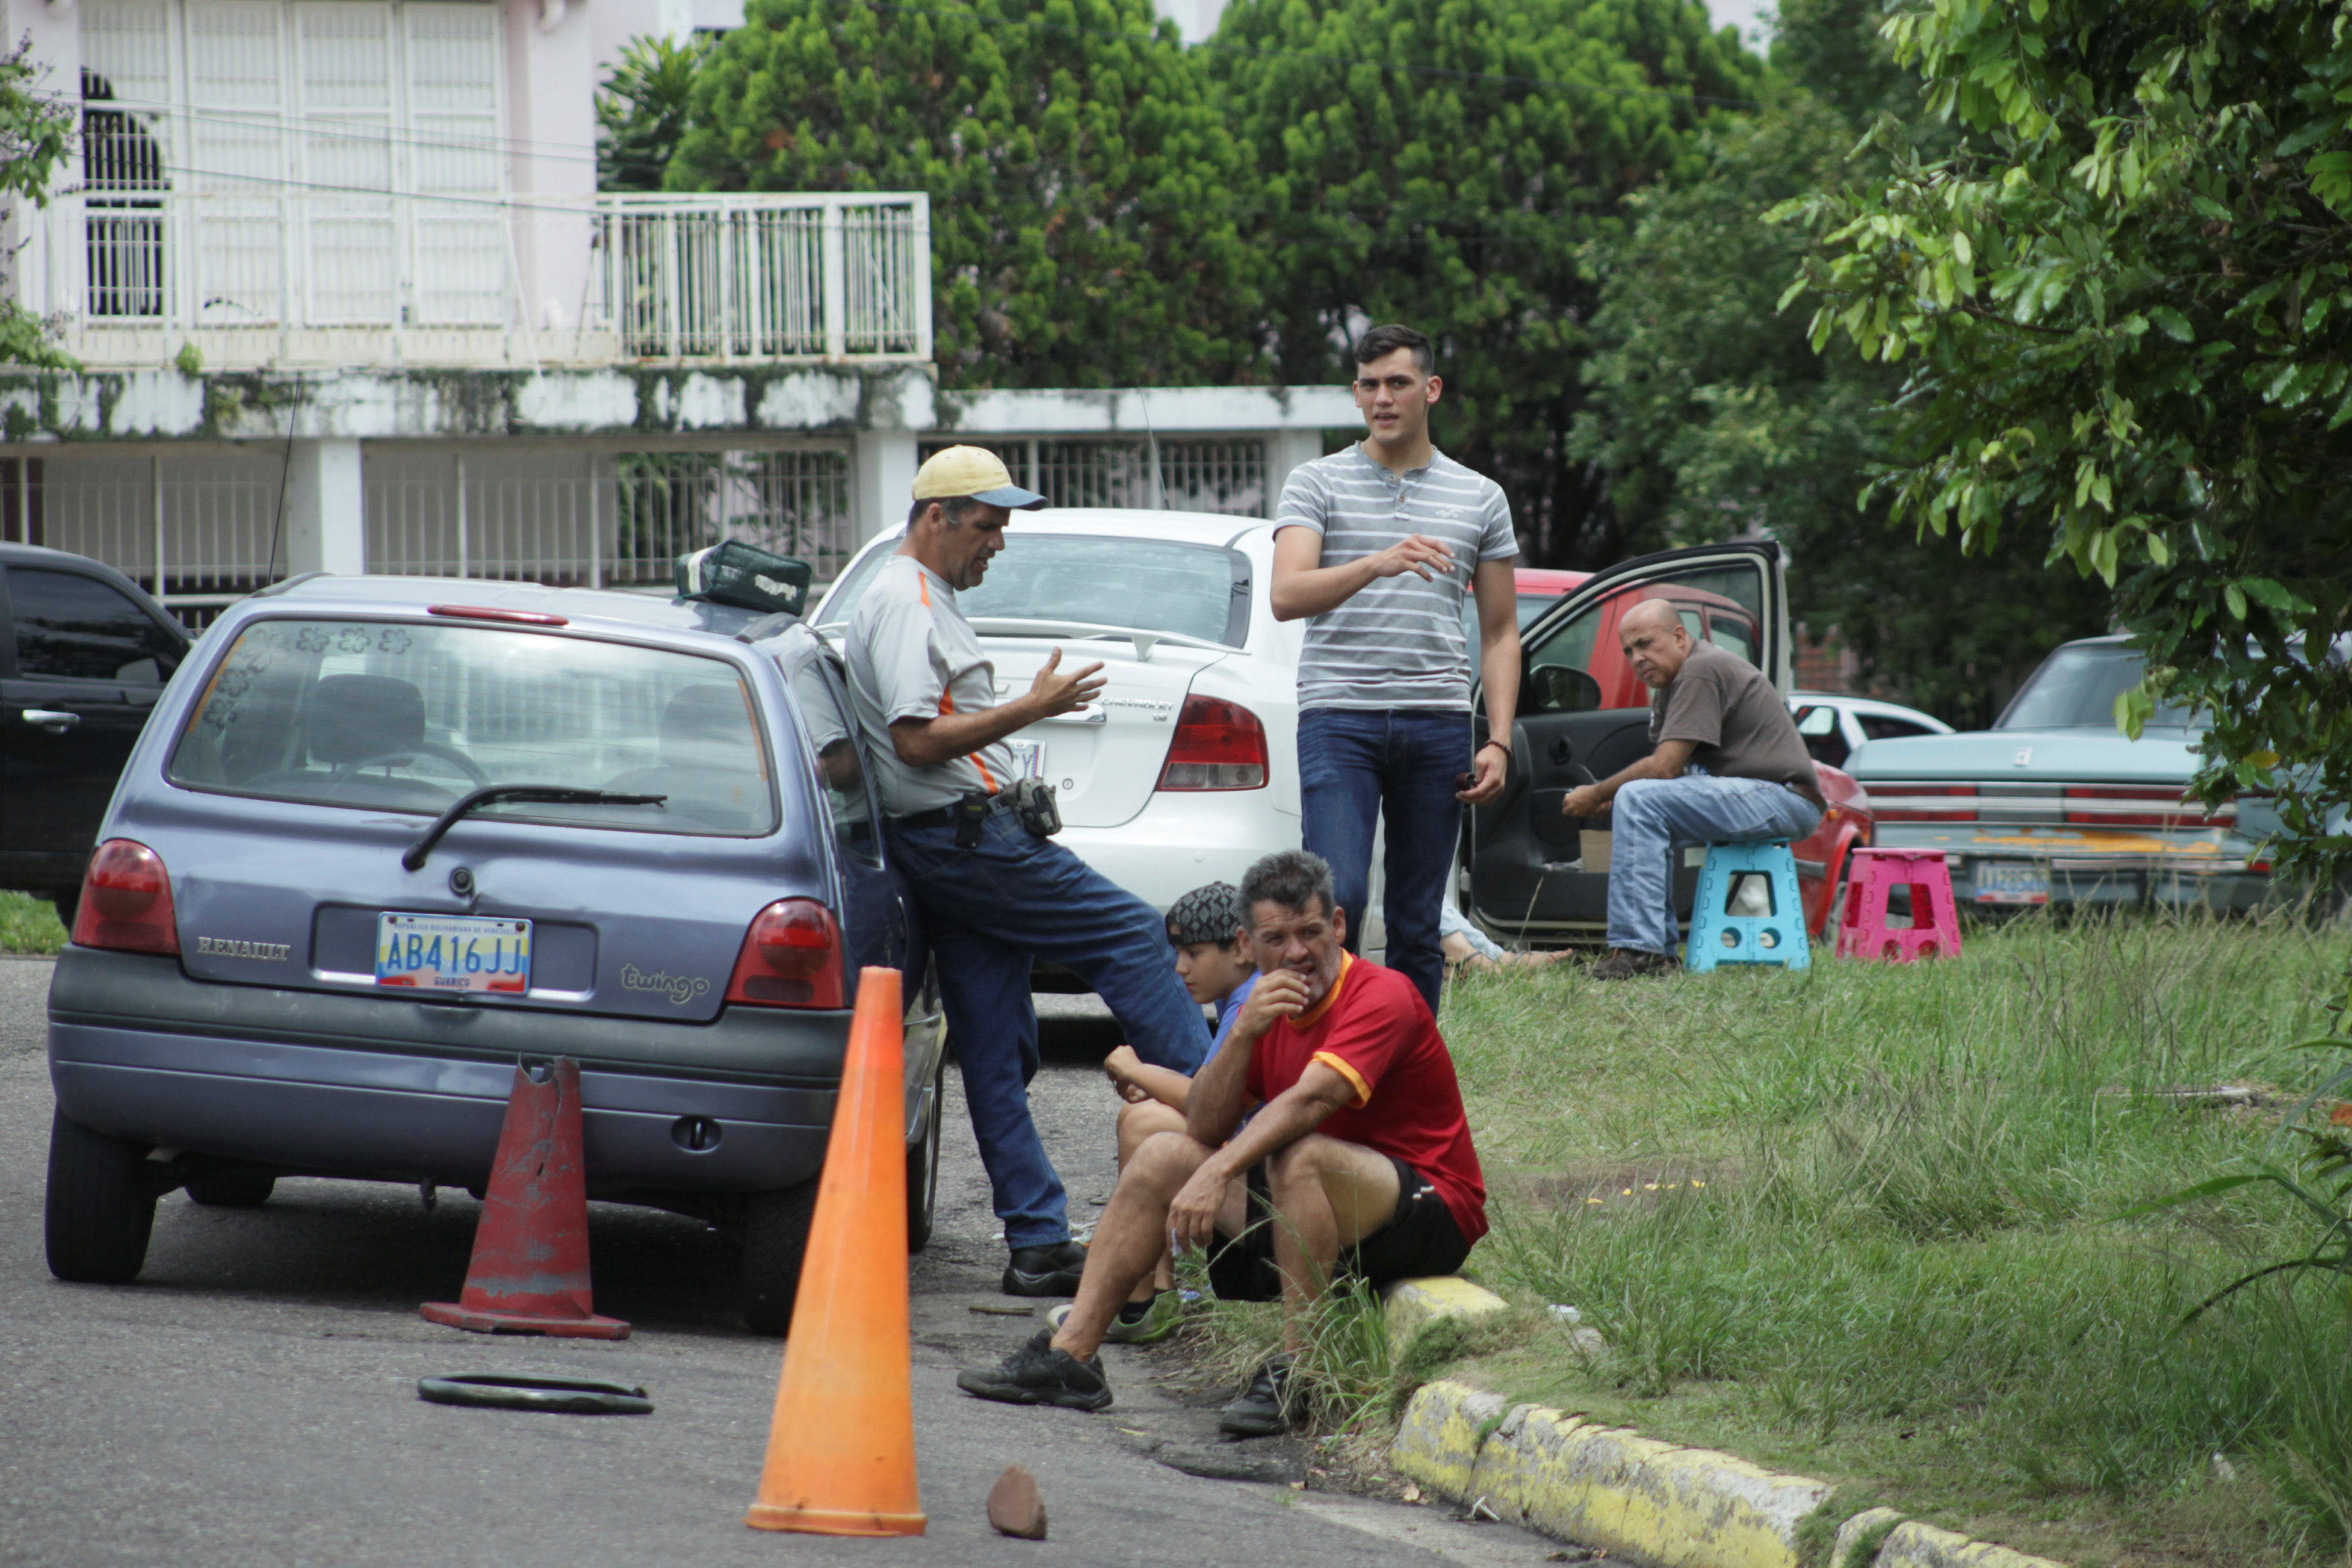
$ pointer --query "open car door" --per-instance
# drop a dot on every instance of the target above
(1584, 715)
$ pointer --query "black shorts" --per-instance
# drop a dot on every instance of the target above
(1420, 1239)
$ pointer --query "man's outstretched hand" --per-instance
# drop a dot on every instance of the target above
(1054, 692)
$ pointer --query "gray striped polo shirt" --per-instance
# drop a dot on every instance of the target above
(1399, 641)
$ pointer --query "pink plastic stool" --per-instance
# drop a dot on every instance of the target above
(1935, 921)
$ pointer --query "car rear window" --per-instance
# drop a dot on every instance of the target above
(2077, 687)
(1148, 585)
(407, 718)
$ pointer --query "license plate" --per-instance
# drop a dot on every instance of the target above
(452, 953)
(2009, 881)
(1028, 758)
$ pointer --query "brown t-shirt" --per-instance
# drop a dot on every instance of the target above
(1738, 724)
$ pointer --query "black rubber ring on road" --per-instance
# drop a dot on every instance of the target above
(558, 1395)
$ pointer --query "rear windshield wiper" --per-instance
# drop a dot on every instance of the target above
(542, 793)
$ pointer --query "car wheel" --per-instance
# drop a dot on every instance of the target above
(775, 1239)
(101, 1205)
(233, 1190)
(923, 1167)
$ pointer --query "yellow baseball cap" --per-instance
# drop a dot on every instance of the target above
(976, 472)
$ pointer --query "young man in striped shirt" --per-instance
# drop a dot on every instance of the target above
(1374, 547)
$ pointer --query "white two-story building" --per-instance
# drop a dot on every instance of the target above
(346, 298)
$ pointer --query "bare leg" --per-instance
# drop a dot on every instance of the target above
(1136, 1124)
(1131, 1238)
(1328, 1194)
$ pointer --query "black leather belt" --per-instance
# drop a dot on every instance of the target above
(945, 816)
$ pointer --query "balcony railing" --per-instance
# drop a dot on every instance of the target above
(295, 278)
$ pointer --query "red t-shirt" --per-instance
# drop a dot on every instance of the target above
(1374, 1029)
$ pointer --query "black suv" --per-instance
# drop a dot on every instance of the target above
(84, 653)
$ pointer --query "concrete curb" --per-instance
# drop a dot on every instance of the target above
(1655, 1503)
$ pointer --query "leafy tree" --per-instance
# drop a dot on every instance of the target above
(2125, 298)
(641, 110)
(1713, 417)
(37, 132)
(1083, 208)
(1427, 162)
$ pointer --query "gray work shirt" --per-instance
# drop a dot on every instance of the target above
(1398, 643)
(912, 654)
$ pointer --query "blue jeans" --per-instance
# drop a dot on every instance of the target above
(1654, 817)
(1395, 767)
(989, 911)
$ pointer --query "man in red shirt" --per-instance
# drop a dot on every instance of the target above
(1356, 1160)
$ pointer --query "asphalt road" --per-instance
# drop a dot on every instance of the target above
(251, 1400)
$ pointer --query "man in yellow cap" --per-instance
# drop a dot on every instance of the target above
(973, 841)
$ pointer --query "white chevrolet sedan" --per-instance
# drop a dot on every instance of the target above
(1186, 769)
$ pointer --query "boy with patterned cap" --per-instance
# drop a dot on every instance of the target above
(1206, 927)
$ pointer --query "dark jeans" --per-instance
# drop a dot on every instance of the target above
(989, 911)
(1397, 768)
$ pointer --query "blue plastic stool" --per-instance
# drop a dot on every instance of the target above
(1719, 937)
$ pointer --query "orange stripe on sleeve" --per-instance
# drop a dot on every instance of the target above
(1364, 1091)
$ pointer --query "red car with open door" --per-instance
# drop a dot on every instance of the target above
(1541, 877)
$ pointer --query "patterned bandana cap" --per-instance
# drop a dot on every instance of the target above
(1210, 914)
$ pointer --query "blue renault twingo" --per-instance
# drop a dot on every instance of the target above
(384, 838)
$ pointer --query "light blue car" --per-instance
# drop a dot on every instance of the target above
(2054, 805)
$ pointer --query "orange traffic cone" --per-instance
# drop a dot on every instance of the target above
(530, 1267)
(841, 1450)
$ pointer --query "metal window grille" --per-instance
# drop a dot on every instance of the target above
(623, 524)
(197, 530)
(1223, 475)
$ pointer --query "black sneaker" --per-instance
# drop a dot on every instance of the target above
(1045, 1271)
(1038, 1373)
(1632, 964)
(1263, 1409)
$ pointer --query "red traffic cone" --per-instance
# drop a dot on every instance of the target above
(530, 1270)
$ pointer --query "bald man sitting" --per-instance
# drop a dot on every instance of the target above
(1727, 767)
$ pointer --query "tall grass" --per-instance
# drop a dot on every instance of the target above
(1911, 1176)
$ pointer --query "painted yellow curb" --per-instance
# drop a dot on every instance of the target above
(1597, 1485)
(1917, 1545)
(1655, 1503)
(1415, 1304)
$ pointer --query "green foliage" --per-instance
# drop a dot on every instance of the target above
(1423, 161)
(2124, 293)
(28, 923)
(1084, 227)
(1712, 416)
(2321, 1185)
(37, 132)
(1881, 1247)
(641, 111)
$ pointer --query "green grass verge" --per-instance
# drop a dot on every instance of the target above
(1856, 1222)
(29, 925)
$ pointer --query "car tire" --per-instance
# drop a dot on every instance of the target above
(775, 1240)
(923, 1167)
(232, 1189)
(101, 1206)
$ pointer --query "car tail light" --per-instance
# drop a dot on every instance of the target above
(1218, 745)
(2128, 805)
(1923, 804)
(790, 957)
(126, 901)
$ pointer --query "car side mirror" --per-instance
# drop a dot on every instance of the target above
(1561, 688)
